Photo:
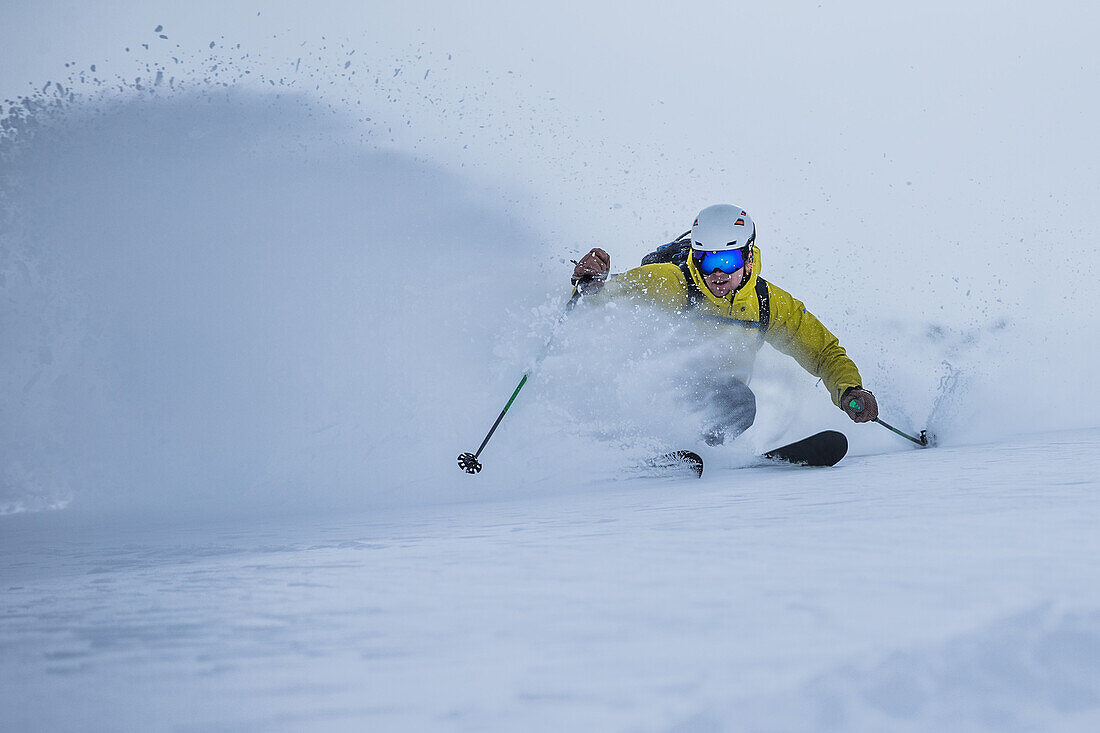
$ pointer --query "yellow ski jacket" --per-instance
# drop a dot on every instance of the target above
(776, 316)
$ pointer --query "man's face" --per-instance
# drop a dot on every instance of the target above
(722, 284)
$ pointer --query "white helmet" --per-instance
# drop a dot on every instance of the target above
(722, 227)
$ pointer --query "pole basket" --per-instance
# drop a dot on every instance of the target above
(468, 463)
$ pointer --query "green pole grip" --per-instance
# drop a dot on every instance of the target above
(516, 393)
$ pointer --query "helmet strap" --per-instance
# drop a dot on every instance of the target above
(746, 271)
(748, 258)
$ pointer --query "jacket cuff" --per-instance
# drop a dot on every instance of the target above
(841, 392)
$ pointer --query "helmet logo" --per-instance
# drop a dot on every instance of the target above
(739, 221)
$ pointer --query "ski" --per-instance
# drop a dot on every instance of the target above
(822, 449)
(676, 462)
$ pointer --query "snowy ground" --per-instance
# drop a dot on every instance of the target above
(948, 589)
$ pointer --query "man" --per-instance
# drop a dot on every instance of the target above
(719, 283)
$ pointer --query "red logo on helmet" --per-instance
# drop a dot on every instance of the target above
(739, 221)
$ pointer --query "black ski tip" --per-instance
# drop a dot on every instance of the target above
(679, 459)
(926, 440)
(692, 460)
(821, 449)
(468, 463)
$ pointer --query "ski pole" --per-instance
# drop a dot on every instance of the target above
(922, 441)
(468, 461)
(857, 406)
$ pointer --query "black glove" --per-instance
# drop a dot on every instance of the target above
(859, 404)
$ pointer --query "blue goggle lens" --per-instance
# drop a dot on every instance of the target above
(728, 261)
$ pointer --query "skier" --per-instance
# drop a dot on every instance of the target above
(715, 276)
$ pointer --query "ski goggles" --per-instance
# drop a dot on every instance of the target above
(728, 261)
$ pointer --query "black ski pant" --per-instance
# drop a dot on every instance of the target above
(730, 409)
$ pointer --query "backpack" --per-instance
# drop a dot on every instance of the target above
(677, 252)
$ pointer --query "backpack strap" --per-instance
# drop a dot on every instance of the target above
(762, 299)
(695, 295)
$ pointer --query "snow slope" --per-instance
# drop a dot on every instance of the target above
(947, 589)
